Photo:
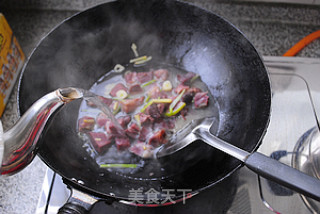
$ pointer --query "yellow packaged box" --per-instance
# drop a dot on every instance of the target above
(11, 61)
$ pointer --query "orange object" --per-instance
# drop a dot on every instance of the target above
(11, 61)
(302, 43)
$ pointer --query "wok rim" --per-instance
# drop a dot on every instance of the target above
(88, 190)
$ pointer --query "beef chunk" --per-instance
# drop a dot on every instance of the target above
(141, 149)
(135, 89)
(154, 91)
(156, 110)
(129, 105)
(117, 88)
(189, 94)
(113, 130)
(99, 141)
(131, 77)
(158, 138)
(201, 99)
(180, 88)
(144, 132)
(104, 100)
(184, 79)
(122, 143)
(153, 111)
(86, 123)
(145, 119)
(167, 123)
(144, 76)
(161, 74)
(124, 121)
(133, 131)
(101, 119)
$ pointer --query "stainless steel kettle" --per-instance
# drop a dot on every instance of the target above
(17, 145)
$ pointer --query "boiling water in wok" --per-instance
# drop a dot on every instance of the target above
(125, 159)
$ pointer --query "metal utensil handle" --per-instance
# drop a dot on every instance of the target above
(266, 166)
(222, 145)
(284, 175)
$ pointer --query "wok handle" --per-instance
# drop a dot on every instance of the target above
(72, 208)
(284, 175)
(78, 203)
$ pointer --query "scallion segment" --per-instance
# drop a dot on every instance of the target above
(116, 108)
(176, 110)
(175, 101)
(142, 58)
(122, 94)
(118, 68)
(194, 78)
(166, 85)
(140, 62)
(118, 165)
(134, 49)
(147, 99)
(146, 106)
(155, 101)
(162, 100)
(148, 83)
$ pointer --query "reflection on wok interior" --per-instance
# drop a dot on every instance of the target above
(180, 38)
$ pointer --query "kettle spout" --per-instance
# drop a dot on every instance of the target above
(17, 145)
(68, 94)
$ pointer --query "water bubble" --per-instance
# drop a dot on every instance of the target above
(80, 182)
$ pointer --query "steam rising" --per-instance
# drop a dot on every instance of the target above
(84, 48)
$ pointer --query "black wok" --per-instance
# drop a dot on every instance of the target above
(83, 48)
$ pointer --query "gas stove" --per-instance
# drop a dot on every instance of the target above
(292, 137)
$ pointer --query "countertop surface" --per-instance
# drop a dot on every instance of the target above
(272, 28)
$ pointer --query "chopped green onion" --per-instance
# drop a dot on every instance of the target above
(118, 68)
(166, 85)
(134, 49)
(175, 101)
(142, 58)
(143, 61)
(118, 165)
(155, 101)
(147, 99)
(148, 83)
(137, 117)
(194, 78)
(146, 106)
(162, 100)
(122, 94)
(116, 108)
(179, 107)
